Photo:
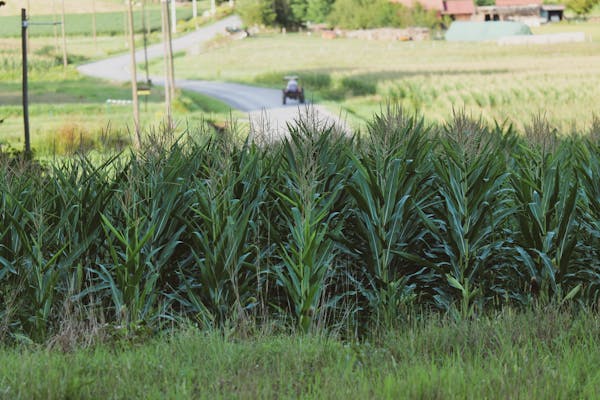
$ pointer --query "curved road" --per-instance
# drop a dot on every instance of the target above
(265, 112)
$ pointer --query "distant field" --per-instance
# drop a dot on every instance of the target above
(13, 7)
(434, 77)
(107, 23)
(66, 108)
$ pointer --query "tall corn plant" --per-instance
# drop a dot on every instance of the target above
(588, 171)
(469, 222)
(313, 175)
(390, 184)
(33, 261)
(217, 286)
(546, 193)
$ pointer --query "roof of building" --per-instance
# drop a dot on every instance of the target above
(456, 7)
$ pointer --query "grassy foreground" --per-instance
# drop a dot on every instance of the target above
(542, 354)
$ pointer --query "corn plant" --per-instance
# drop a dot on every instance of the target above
(474, 208)
(313, 178)
(588, 171)
(224, 207)
(391, 182)
(546, 192)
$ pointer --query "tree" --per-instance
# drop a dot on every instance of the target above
(257, 12)
(318, 10)
(581, 7)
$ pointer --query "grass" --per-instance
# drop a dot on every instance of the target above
(73, 6)
(544, 354)
(498, 82)
(57, 96)
(108, 23)
(63, 110)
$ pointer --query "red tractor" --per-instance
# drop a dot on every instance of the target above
(293, 90)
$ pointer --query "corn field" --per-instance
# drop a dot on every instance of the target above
(318, 231)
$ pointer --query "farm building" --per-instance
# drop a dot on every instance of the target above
(459, 10)
(531, 12)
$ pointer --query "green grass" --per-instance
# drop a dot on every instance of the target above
(109, 23)
(498, 82)
(64, 105)
(547, 354)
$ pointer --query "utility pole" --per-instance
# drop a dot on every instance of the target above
(195, 12)
(29, 12)
(145, 36)
(25, 88)
(164, 12)
(171, 64)
(213, 7)
(173, 17)
(64, 36)
(56, 45)
(134, 89)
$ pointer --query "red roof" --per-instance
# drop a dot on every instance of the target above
(456, 7)
(513, 3)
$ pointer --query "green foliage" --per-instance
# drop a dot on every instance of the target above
(318, 10)
(321, 230)
(364, 14)
(581, 7)
(257, 12)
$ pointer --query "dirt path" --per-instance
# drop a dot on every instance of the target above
(265, 111)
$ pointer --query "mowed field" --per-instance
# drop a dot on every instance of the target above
(433, 77)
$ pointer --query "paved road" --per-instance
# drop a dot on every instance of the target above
(265, 111)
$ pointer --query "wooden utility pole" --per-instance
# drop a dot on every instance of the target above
(173, 17)
(164, 12)
(25, 81)
(134, 89)
(64, 36)
(56, 45)
(195, 12)
(29, 12)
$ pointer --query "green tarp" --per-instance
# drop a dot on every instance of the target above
(484, 31)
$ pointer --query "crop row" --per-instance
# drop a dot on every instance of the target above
(320, 230)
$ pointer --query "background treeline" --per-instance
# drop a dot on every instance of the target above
(351, 14)
(319, 231)
(360, 14)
